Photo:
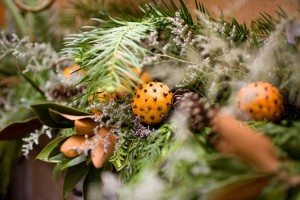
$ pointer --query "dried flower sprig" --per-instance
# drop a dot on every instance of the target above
(33, 139)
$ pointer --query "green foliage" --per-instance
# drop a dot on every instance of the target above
(137, 153)
(9, 154)
(72, 177)
(286, 136)
(47, 152)
(48, 113)
(155, 11)
(265, 24)
(92, 184)
(108, 55)
(236, 32)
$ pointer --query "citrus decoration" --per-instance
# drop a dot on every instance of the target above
(67, 72)
(101, 145)
(260, 100)
(152, 102)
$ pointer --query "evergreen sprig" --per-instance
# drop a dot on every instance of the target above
(169, 10)
(265, 24)
(137, 153)
(109, 54)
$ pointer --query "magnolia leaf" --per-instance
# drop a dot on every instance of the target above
(18, 130)
(65, 118)
(75, 117)
(58, 158)
(240, 140)
(73, 176)
(45, 153)
(92, 184)
(56, 171)
(74, 161)
(243, 187)
(43, 112)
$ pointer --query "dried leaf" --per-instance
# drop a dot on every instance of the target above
(19, 130)
(85, 126)
(99, 154)
(246, 143)
(245, 188)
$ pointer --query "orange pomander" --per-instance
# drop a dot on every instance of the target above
(260, 100)
(152, 102)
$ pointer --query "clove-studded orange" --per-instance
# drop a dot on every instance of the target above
(152, 102)
(260, 100)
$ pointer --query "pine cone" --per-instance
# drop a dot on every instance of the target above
(63, 92)
(178, 94)
(199, 111)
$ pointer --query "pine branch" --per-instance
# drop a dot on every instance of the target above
(169, 10)
(109, 53)
(265, 24)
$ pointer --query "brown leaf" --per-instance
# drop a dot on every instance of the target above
(99, 154)
(85, 126)
(76, 117)
(246, 143)
(243, 189)
(19, 130)
(72, 147)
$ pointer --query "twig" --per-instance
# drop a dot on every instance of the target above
(33, 9)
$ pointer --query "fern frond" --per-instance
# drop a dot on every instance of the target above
(109, 54)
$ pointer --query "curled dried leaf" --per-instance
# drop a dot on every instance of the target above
(103, 150)
(242, 141)
(85, 126)
(248, 188)
(72, 147)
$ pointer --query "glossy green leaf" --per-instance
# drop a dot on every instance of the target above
(74, 161)
(73, 176)
(58, 118)
(92, 184)
(58, 158)
(43, 112)
(19, 130)
(45, 153)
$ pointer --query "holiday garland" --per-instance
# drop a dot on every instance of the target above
(164, 106)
